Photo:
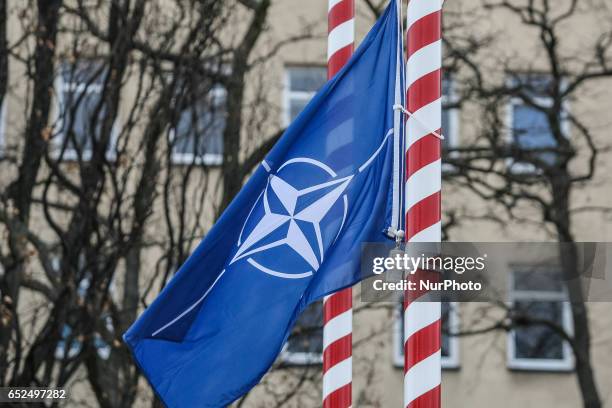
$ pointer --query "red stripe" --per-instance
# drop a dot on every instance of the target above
(339, 398)
(338, 59)
(424, 151)
(338, 351)
(337, 304)
(423, 214)
(418, 276)
(424, 32)
(425, 90)
(431, 399)
(342, 301)
(422, 344)
(340, 13)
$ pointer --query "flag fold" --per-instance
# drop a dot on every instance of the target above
(291, 236)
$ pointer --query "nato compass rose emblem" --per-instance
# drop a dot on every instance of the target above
(295, 220)
(297, 217)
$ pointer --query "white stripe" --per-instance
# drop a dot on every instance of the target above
(276, 273)
(190, 308)
(424, 121)
(340, 37)
(337, 328)
(331, 4)
(417, 9)
(429, 234)
(420, 314)
(422, 377)
(337, 376)
(423, 183)
(427, 59)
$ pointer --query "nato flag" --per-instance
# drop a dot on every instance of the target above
(291, 236)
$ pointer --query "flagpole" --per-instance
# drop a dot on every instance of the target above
(422, 319)
(338, 307)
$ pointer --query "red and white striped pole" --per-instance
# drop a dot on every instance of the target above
(422, 319)
(338, 308)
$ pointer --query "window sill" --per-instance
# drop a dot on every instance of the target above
(185, 159)
(450, 169)
(71, 156)
(542, 366)
(446, 365)
(301, 359)
(522, 169)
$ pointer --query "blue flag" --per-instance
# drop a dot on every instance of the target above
(291, 236)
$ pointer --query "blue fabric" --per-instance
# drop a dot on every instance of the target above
(292, 235)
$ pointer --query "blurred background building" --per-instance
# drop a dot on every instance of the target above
(127, 126)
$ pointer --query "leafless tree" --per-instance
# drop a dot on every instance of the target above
(509, 173)
(500, 166)
(96, 214)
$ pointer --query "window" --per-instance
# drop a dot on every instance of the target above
(538, 293)
(3, 124)
(449, 346)
(69, 345)
(302, 83)
(450, 115)
(529, 126)
(80, 109)
(305, 344)
(197, 136)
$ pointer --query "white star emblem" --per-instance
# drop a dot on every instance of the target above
(295, 237)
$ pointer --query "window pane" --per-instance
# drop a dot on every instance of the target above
(68, 346)
(446, 128)
(534, 85)
(80, 98)
(307, 79)
(446, 86)
(539, 341)
(296, 106)
(446, 112)
(80, 114)
(83, 75)
(531, 131)
(536, 279)
(445, 346)
(307, 335)
(200, 127)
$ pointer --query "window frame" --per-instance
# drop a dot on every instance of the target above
(286, 356)
(450, 362)
(453, 119)
(516, 167)
(207, 159)
(539, 364)
(301, 358)
(3, 118)
(288, 94)
(70, 154)
(76, 345)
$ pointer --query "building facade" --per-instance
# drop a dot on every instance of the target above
(529, 366)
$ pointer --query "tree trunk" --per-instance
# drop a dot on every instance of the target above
(581, 337)
(35, 144)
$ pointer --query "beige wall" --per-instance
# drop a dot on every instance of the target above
(482, 379)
